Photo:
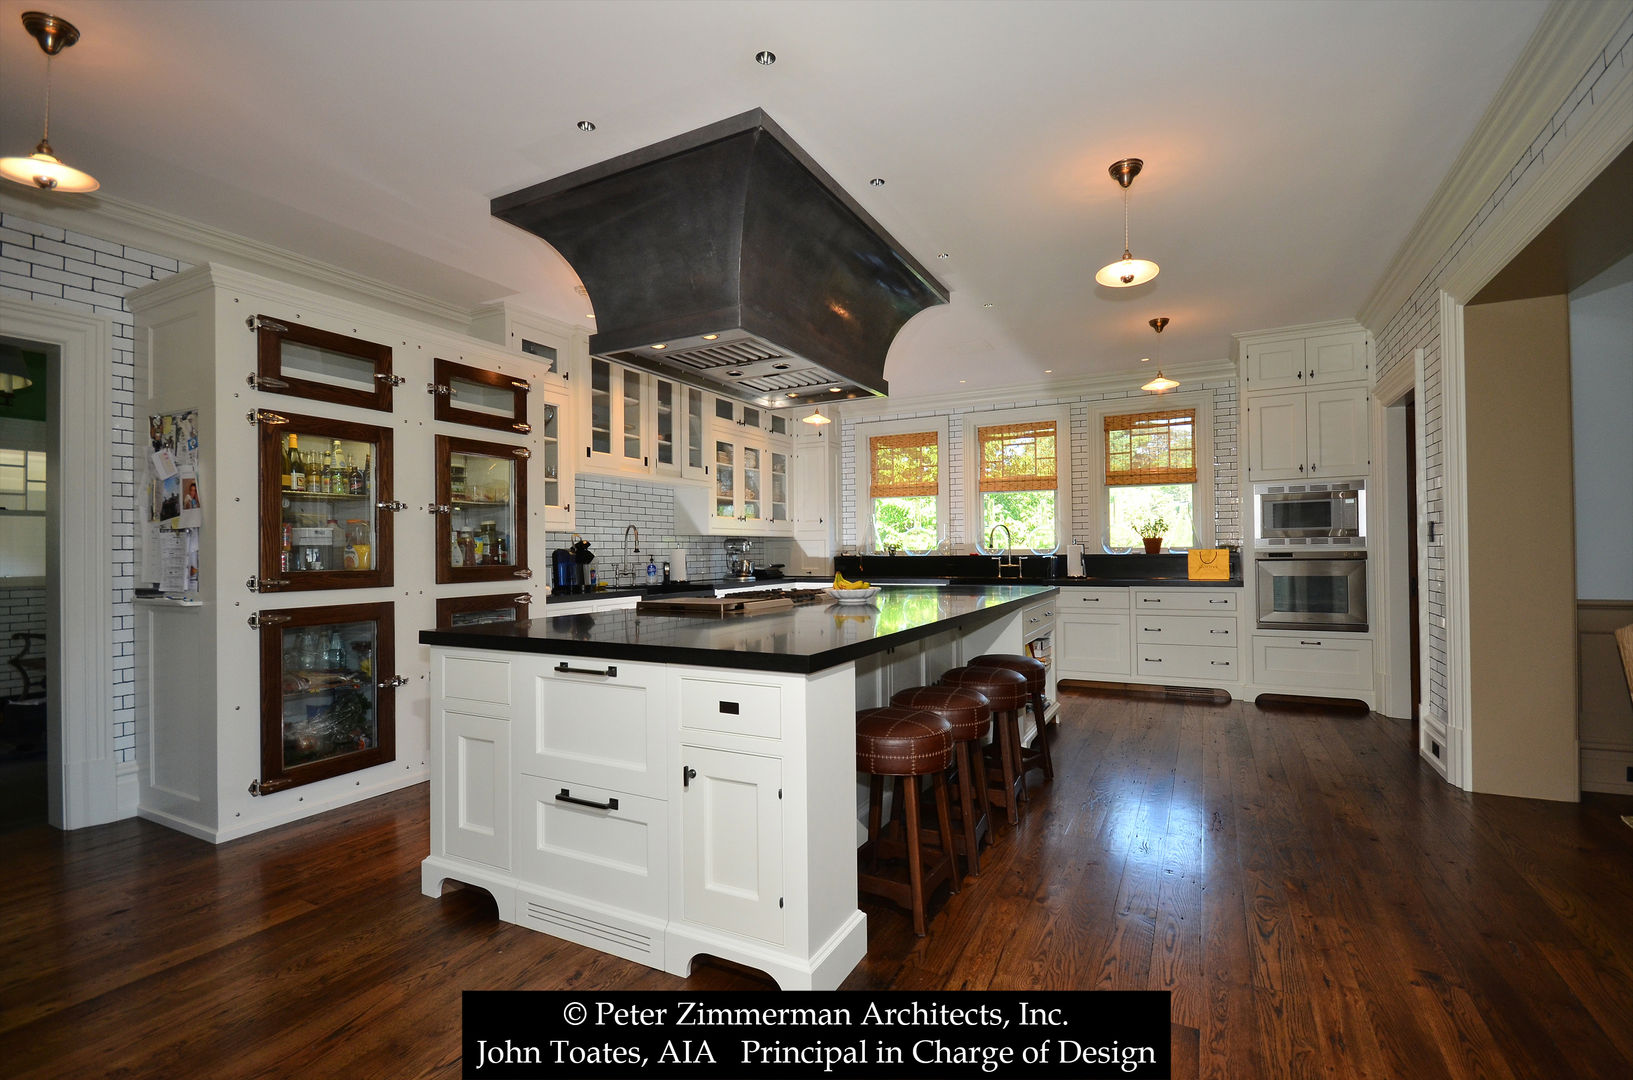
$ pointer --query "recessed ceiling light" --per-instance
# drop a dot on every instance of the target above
(986, 305)
(1048, 371)
(660, 346)
(833, 389)
(877, 181)
(589, 314)
(1145, 359)
(735, 374)
(585, 125)
(944, 255)
(963, 380)
(710, 337)
(792, 394)
(779, 367)
(765, 58)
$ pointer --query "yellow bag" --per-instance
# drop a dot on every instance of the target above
(1208, 564)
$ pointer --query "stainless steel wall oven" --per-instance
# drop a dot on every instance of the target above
(1309, 591)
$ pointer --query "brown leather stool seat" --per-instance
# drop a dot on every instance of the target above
(1007, 692)
(970, 715)
(1037, 755)
(904, 744)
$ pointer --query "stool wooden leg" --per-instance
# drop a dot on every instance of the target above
(966, 803)
(1041, 750)
(1018, 754)
(1003, 739)
(915, 871)
(938, 783)
(876, 787)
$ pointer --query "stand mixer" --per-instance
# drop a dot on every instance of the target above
(738, 563)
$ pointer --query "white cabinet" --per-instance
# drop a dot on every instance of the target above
(474, 809)
(1093, 644)
(748, 493)
(811, 472)
(730, 809)
(597, 723)
(680, 430)
(1310, 434)
(1155, 635)
(1281, 363)
(605, 846)
(1325, 663)
(557, 348)
(616, 410)
(556, 465)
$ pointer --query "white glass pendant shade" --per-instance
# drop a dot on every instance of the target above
(1160, 383)
(816, 418)
(1126, 272)
(42, 170)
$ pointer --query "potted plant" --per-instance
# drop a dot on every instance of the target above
(1151, 528)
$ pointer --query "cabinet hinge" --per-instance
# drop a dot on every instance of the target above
(267, 787)
(257, 584)
(394, 682)
(265, 382)
(523, 428)
(261, 322)
(521, 384)
(389, 379)
(522, 451)
(260, 620)
(265, 416)
(522, 573)
(522, 600)
(439, 390)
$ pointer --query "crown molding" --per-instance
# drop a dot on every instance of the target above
(113, 218)
(1559, 53)
(1060, 391)
(1331, 326)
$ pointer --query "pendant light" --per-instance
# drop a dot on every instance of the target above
(816, 418)
(1127, 271)
(13, 373)
(1161, 382)
(41, 169)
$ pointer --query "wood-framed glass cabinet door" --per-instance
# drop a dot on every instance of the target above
(454, 612)
(328, 692)
(321, 365)
(481, 510)
(325, 504)
(473, 395)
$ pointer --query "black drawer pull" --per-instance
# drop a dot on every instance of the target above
(1218, 631)
(1218, 601)
(567, 796)
(1150, 600)
(1152, 629)
(1151, 660)
(1309, 643)
(730, 708)
(1220, 663)
(610, 673)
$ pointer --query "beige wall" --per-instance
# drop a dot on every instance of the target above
(1521, 543)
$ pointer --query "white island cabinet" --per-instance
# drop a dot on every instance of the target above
(659, 787)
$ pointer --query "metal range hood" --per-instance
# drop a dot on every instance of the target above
(734, 251)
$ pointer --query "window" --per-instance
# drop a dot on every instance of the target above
(1019, 483)
(1151, 472)
(22, 513)
(904, 483)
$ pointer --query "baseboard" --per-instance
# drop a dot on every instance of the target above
(127, 792)
(1433, 745)
(1606, 769)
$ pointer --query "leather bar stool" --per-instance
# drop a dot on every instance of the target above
(1007, 692)
(970, 715)
(1036, 756)
(905, 744)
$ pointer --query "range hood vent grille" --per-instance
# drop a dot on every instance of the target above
(731, 231)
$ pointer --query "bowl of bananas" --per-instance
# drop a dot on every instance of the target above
(852, 592)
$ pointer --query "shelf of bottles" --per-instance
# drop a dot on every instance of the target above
(326, 505)
(481, 510)
(328, 692)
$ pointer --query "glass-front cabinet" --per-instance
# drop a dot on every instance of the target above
(457, 611)
(472, 395)
(481, 510)
(328, 692)
(320, 365)
(617, 418)
(554, 468)
(325, 504)
(777, 508)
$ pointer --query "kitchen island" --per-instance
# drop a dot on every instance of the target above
(660, 786)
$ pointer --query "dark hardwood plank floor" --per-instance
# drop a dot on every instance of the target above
(1317, 900)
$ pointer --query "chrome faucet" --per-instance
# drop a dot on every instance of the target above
(628, 568)
(1006, 561)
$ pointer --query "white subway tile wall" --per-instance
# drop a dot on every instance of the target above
(63, 268)
(22, 610)
(1417, 324)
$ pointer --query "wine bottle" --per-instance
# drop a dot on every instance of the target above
(297, 467)
(287, 478)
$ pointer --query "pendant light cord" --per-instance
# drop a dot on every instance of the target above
(45, 137)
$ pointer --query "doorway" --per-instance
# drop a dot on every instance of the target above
(28, 433)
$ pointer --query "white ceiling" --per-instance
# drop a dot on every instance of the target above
(1289, 147)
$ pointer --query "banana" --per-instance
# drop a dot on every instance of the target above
(841, 583)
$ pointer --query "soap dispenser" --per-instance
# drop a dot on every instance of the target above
(651, 572)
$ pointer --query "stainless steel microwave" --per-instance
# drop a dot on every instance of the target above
(1307, 591)
(1310, 515)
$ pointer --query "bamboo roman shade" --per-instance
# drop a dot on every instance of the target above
(1018, 457)
(1151, 448)
(905, 464)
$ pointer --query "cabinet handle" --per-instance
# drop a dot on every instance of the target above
(392, 506)
(610, 673)
(255, 584)
(522, 600)
(389, 379)
(1309, 642)
(522, 572)
(1312, 374)
(1218, 631)
(1220, 663)
(523, 428)
(394, 682)
(434, 508)
(521, 451)
(1089, 599)
(1150, 600)
(439, 390)
(1301, 373)
(686, 775)
(1151, 660)
(564, 795)
(1152, 629)
(264, 416)
(1218, 601)
(1301, 468)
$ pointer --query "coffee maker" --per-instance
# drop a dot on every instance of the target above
(738, 563)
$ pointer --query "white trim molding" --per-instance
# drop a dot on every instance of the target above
(1454, 540)
(1093, 515)
(81, 785)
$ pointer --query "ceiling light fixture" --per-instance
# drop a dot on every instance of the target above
(765, 58)
(710, 337)
(877, 181)
(833, 389)
(660, 346)
(41, 169)
(1161, 382)
(1128, 270)
(816, 417)
(586, 126)
(13, 373)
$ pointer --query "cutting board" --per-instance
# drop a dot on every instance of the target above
(713, 606)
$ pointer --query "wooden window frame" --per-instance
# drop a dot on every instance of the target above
(446, 572)
(448, 410)
(270, 334)
(449, 606)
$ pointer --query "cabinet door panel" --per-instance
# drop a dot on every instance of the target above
(602, 730)
(476, 788)
(1338, 433)
(1276, 366)
(1338, 358)
(482, 534)
(1276, 437)
(1092, 644)
(731, 846)
(326, 505)
(613, 853)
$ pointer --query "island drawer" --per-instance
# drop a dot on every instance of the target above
(1184, 629)
(604, 847)
(594, 722)
(732, 706)
(1093, 600)
(1198, 600)
(1186, 662)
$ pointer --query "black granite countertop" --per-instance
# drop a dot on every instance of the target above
(806, 639)
(689, 588)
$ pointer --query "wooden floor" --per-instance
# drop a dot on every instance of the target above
(1318, 901)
